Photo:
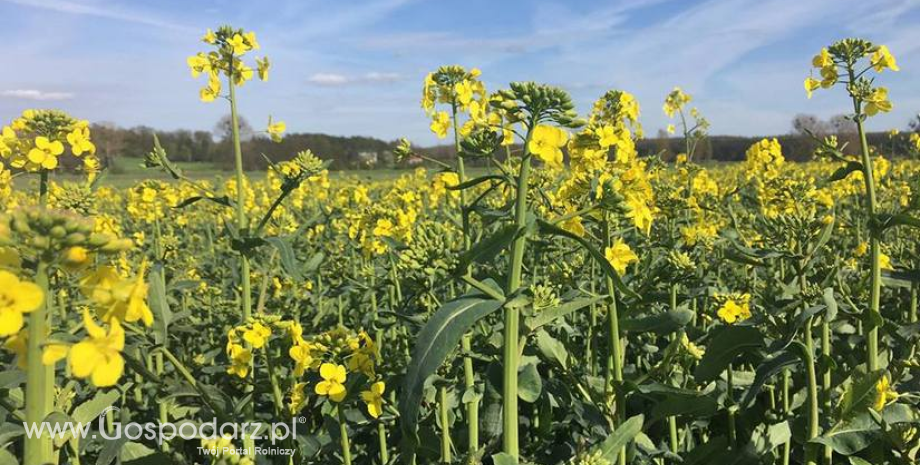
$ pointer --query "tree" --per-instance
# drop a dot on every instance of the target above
(223, 129)
(843, 124)
(914, 124)
(802, 124)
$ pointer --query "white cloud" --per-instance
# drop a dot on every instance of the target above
(109, 12)
(32, 94)
(328, 79)
(336, 79)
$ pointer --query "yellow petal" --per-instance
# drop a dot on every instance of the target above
(84, 358)
(28, 297)
(109, 371)
(54, 352)
(10, 321)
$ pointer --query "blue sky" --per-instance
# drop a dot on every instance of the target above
(356, 67)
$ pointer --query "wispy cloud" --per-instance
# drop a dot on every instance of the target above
(32, 94)
(108, 11)
(336, 79)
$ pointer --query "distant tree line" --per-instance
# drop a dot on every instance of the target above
(358, 152)
(113, 143)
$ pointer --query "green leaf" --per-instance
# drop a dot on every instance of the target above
(88, 411)
(900, 278)
(831, 304)
(552, 349)
(488, 248)
(690, 405)
(547, 315)
(900, 219)
(844, 171)
(621, 436)
(286, 253)
(553, 230)
(135, 453)
(222, 200)
(767, 437)
(767, 370)
(859, 395)
(724, 347)
(434, 342)
(6, 458)
(475, 182)
(707, 452)
(502, 458)
(159, 306)
(530, 385)
(313, 264)
(661, 323)
(852, 436)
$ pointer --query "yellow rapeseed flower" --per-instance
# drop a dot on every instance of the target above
(373, 397)
(440, 124)
(16, 298)
(735, 308)
(99, 355)
(546, 143)
(882, 58)
(45, 152)
(620, 256)
(884, 394)
(333, 383)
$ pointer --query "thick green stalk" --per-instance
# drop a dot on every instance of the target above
(242, 224)
(39, 379)
(592, 323)
(732, 408)
(469, 382)
(382, 443)
(826, 381)
(444, 414)
(672, 420)
(614, 374)
(343, 437)
(813, 424)
(381, 427)
(874, 243)
(912, 312)
(241, 220)
(787, 408)
(469, 377)
(510, 352)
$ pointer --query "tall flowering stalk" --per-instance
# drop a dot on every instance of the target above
(34, 143)
(463, 92)
(536, 107)
(610, 181)
(226, 60)
(847, 62)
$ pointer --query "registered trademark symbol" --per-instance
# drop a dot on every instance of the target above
(301, 420)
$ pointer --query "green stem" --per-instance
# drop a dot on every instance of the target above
(472, 407)
(469, 381)
(614, 374)
(787, 408)
(813, 423)
(672, 420)
(343, 433)
(874, 243)
(242, 224)
(512, 316)
(826, 381)
(730, 400)
(39, 378)
(444, 413)
(382, 443)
